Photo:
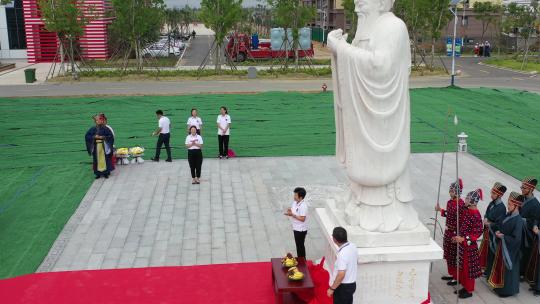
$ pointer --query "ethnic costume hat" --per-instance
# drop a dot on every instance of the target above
(454, 186)
(517, 198)
(475, 196)
(498, 189)
(530, 183)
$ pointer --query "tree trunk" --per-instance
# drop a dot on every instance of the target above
(217, 58)
(62, 70)
(432, 54)
(525, 55)
(72, 59)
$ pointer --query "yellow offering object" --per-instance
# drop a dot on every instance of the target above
(294, 274)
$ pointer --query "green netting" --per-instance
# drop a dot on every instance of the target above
(46, 171)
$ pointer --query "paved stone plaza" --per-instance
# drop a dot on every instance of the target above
(151, 215)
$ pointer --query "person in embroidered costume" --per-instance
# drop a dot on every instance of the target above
(449, 247)
(469, 232)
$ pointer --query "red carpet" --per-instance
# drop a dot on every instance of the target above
(228, 283)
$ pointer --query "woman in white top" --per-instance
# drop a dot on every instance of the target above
(224, 128)
(194, 143)
(194, 120)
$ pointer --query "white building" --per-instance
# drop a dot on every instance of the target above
(12, 33)
(522, 2)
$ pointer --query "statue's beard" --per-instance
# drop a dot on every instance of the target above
(363, 27)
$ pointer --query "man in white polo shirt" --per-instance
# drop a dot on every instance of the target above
(298, 214)
(163, 131)
(345, 268)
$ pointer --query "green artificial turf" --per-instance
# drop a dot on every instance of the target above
(45, 170)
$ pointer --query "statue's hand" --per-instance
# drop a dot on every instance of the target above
(335, 38)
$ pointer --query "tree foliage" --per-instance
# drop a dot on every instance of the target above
(221, 16)
(138, 22)
(487, 13)
(67, 19)
(292, 14)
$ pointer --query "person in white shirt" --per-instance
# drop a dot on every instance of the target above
(224, 129)
(163, 131)
(194, 120)
(298, 216)
(194, 143)
(345, 269)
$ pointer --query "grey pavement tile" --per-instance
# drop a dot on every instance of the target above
(234, 216)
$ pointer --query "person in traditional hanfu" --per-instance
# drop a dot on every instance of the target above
(533, 270)
(99, 144)
(451, 212)
(529, 212)
(470, 230)
(495, 214)
(504, 277)
(532, 273)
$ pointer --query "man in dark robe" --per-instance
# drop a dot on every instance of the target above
(528, 212)
(99, 144)
(504, 277)
(495, 214)
(533, 270)
(454, 204)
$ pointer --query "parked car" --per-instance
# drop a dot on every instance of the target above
(161, 50)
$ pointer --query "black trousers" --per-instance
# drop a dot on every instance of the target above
(299, 239)
(163, 139)
(223, 142)
(344, 293)
(195, 159)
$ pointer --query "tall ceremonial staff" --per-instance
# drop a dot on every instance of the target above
(457, 205)
(445, 141)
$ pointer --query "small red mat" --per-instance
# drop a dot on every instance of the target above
(227, 283)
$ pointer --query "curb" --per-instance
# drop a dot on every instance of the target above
(530, 74)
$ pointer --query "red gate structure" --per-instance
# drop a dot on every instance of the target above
(43, 45)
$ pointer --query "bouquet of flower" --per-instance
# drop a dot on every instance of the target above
(122, 152)
(136, 151)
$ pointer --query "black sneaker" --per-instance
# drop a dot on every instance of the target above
(154, 159)
(169, 160)
(536, 293)
(464, 295)
(447, 278)
(452, 283)
(97, 176)
(106, 176)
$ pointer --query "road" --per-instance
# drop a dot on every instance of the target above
(197, 50)
(474, 75)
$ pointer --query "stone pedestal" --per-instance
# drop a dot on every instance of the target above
(362, 238)
(386, 274)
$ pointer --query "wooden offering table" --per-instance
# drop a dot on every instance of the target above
(284, 288)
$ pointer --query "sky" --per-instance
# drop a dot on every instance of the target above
(197, 3)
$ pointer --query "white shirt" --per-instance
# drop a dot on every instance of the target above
(223, 121)
(164, 123)
(197, 139)
(299, 209)
(194, 121)
(347, 260)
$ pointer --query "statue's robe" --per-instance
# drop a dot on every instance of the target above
(372, 112)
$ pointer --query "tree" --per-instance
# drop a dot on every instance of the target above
(67, 20)
(436, 20)
(221, 16)
(522, 19)
(138, 22)
(292, 14)
(487, 13)
(350, 14)
(414, 14)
